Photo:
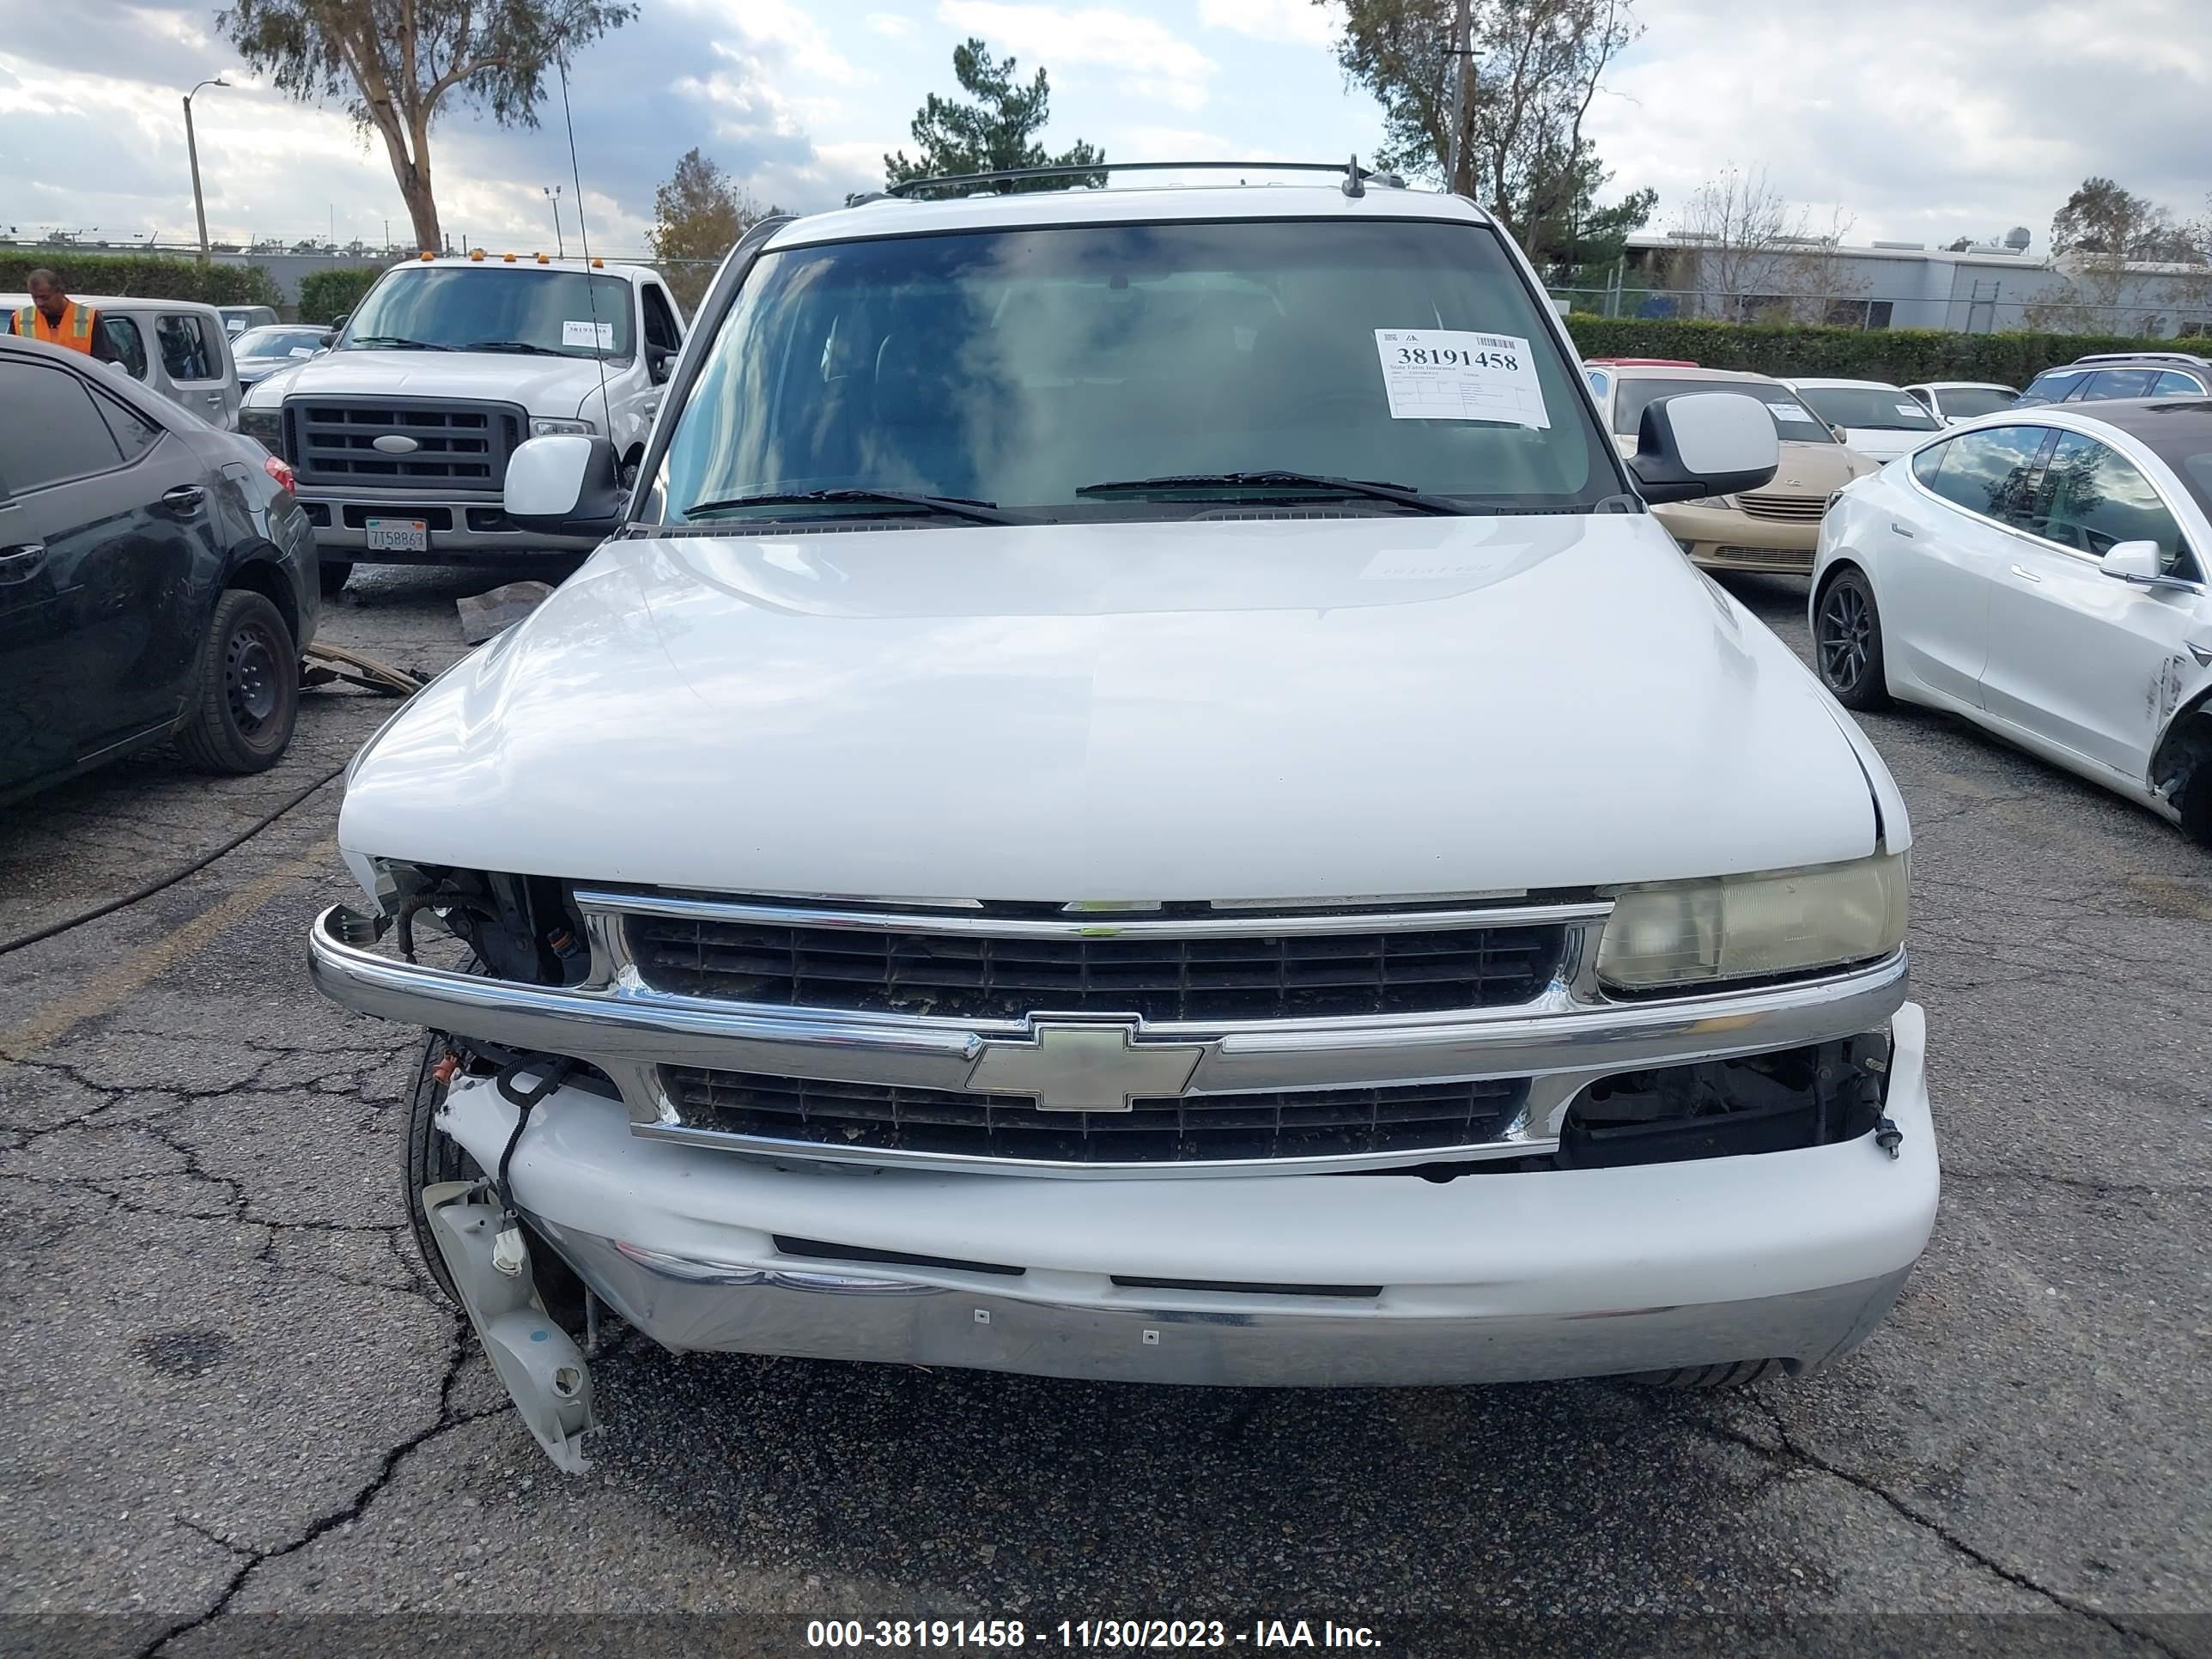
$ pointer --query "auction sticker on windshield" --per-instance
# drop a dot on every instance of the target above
(1453, 374)
(1791, 412)
(601, 334)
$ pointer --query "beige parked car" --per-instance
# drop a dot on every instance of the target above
(1774, 528)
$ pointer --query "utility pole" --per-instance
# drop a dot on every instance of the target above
(193, 149)
(1462, 53)
(553, 195)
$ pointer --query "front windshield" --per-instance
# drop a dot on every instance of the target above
(1018, 367)
(1794, 423)
(276, 342)
(496, 307)
(1868, 408)
(1963, 403)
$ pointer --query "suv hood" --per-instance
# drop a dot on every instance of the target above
(553, 386)
(1359, 705)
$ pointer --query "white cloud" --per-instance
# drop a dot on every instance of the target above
(799, 42)
(1964, 133)
(1272, 20)
(1154, 62)
(891, 23)
(1179, 144)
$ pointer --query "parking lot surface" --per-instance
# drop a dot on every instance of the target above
(232, 1392)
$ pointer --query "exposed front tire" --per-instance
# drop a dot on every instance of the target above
(434, 1156)
(1741, 1373)
(241, 715)
(1847, 646)
(333, 576)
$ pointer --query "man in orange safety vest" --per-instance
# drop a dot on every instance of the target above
(59, 321)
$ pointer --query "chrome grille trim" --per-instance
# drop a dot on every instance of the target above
(1566, 1036)
(1095, 924)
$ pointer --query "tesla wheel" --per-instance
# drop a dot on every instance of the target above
(241, 714)
(333, 575)
(1847, 642)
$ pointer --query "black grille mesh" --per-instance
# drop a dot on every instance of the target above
(950, 975)
(1197, 1129)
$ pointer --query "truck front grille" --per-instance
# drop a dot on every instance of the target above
(459, 445)
(1192, 1129)
(1286, 975)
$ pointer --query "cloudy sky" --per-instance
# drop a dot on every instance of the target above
(1915, 121)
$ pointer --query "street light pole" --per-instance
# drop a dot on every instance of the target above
(1462, 51)
(553, 195)
(192, 149)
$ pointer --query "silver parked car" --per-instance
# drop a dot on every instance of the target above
(175, 347)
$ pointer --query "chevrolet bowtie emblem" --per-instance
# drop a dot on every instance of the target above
(1080, 1067)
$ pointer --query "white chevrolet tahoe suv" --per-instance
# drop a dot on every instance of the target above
(1136, 795)
(401, 434)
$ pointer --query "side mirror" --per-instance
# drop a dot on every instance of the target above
(1704, 443)
(1835, 432)
(338, 327)
(659, 361)
(2140, 563)
(566, 485)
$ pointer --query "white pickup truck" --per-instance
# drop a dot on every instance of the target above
(401, 435)
(1137, 794)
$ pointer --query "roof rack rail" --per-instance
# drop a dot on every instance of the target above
(2189, 357)
(1355, 178)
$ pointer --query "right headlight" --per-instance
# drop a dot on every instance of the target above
(267, 424)
(1672, 935)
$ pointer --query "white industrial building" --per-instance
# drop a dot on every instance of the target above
(1981, 288)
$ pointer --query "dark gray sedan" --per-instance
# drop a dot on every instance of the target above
(157, 580)
(260, 352)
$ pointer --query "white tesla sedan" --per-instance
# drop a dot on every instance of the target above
(2042, 574)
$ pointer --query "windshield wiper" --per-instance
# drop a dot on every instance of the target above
(1300, 483)
(397, 341)
(958, 506)
(512, 345)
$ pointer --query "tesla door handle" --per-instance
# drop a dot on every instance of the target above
(1905, 530)
(2026, 576)
(183, 497)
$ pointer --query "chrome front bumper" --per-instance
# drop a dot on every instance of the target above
(457, 544)
(1564, 1039)
(1358, 1280)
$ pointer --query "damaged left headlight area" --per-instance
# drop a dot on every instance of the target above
(516, 928)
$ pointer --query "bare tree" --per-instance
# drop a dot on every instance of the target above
(1750, 256)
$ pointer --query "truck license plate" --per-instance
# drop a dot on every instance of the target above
(399, 536)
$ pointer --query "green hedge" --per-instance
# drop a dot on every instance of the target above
(326, 296)
(1902, 356)
(143, 275)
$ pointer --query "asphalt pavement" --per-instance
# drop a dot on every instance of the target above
(235, 1408)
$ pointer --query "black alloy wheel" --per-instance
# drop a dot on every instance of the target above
(1847, 642)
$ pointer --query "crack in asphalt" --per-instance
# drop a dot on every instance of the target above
(1792, 1453)
(2078, 1183)
(394, 1458)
